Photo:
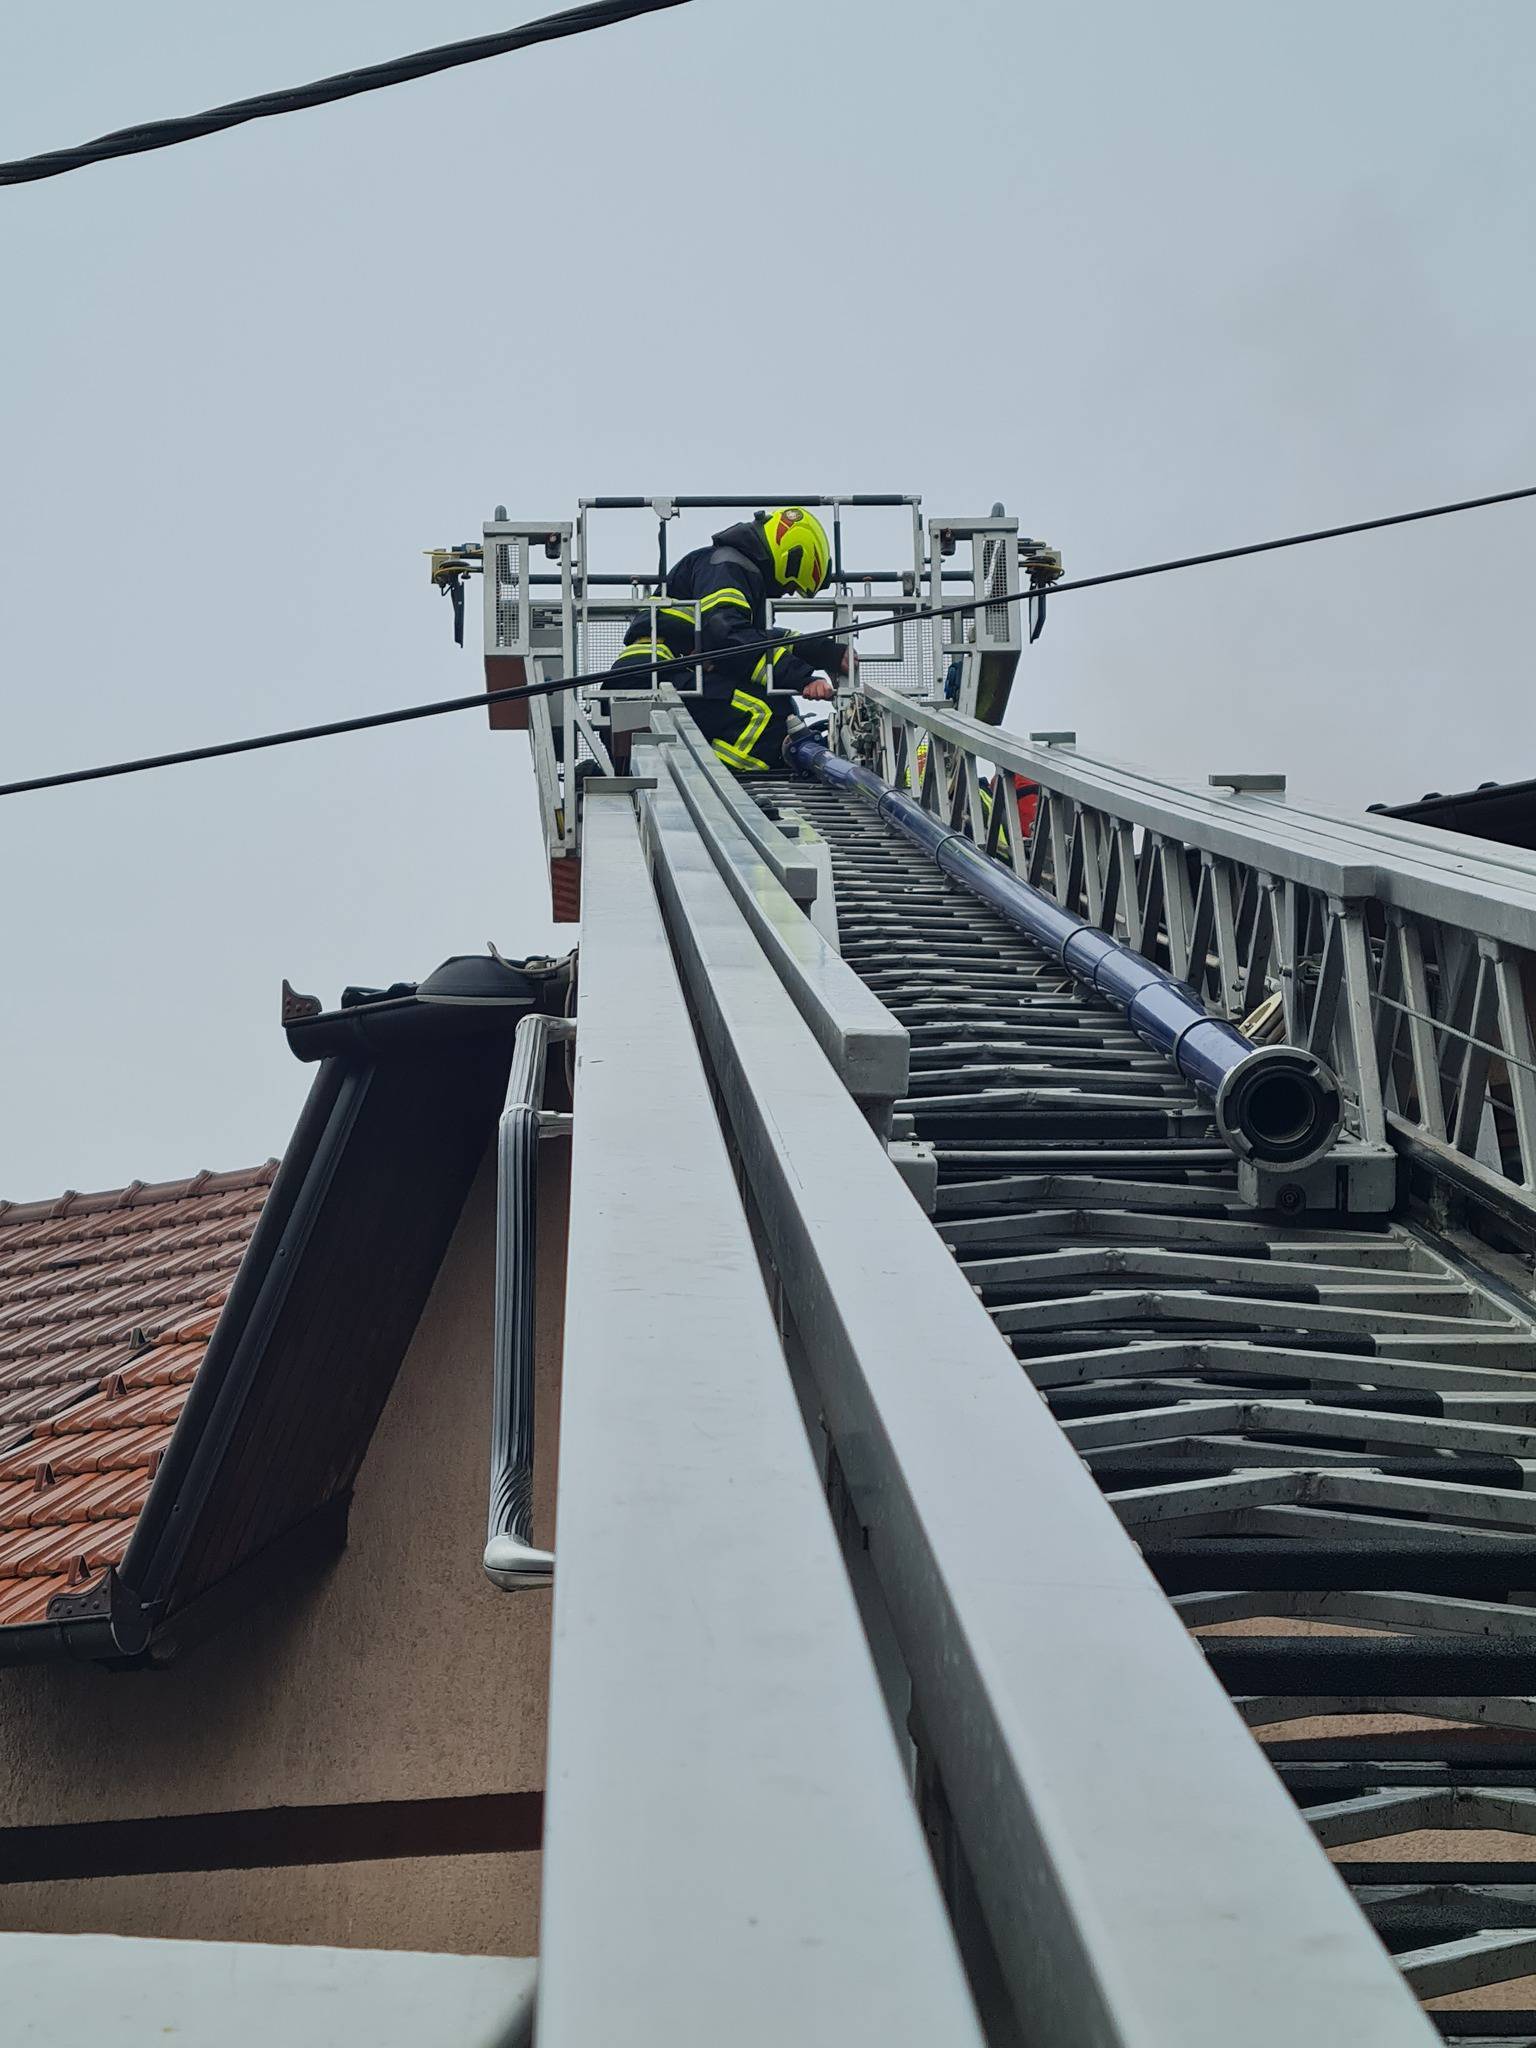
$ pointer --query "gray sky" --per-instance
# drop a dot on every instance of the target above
(1163, 279)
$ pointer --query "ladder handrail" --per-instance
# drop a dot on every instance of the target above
(868, 1047)
(1488, 889)
(730, 1852)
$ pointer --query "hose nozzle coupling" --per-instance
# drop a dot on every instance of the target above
(1281, 1105)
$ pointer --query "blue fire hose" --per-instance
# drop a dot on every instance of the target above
(1275, 1103)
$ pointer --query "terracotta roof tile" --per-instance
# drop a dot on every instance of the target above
(107, 1450)
(89, 1497)
(115, 1408)
(81, 1548)
(60, 1368)
(27, 1599)
(164, 1364)
(29, 1404)
(16, 1496)
(107, 1302)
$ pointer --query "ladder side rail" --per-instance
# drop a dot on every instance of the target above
(1307, 855)
(730, 1853)
(867, 1046)
(795, 870)
(1490, 890)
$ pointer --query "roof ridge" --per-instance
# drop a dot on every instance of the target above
(139, 1194)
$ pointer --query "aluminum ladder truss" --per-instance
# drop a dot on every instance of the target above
(1405, 956)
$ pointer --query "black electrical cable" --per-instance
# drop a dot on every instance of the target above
(575, 21)
(1291, 540)
(633, 671)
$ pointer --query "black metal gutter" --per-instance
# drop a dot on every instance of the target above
(393, 1029)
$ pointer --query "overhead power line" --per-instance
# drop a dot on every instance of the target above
(343, 85)
(1294, 540)
(441, 707)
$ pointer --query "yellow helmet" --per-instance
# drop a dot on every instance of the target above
(797, 541)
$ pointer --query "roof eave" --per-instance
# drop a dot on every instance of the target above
(142, 1611)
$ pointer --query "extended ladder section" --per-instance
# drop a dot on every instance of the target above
(731, 1850)
(1050, 1389)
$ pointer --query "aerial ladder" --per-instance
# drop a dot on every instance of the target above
(1048, 1407)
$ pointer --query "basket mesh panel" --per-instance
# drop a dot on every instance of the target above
(994, 577)
(508, 611)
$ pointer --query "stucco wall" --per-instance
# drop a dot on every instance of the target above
(402, 1675)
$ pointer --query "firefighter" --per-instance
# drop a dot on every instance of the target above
(747, 698)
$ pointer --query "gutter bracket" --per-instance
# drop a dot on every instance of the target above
(105, 1620)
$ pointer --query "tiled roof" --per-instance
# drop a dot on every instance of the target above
(107, 1303)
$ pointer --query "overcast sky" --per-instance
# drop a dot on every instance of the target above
(1163, 279)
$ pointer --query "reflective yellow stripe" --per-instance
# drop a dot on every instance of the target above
(757, 711)
(768, 662)
(738, 753)
(672, 611)
(649, 650)
(725, 597)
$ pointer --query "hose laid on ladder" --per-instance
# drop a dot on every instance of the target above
(1275, 1103)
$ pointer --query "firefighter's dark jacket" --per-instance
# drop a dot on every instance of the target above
(731, 582)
